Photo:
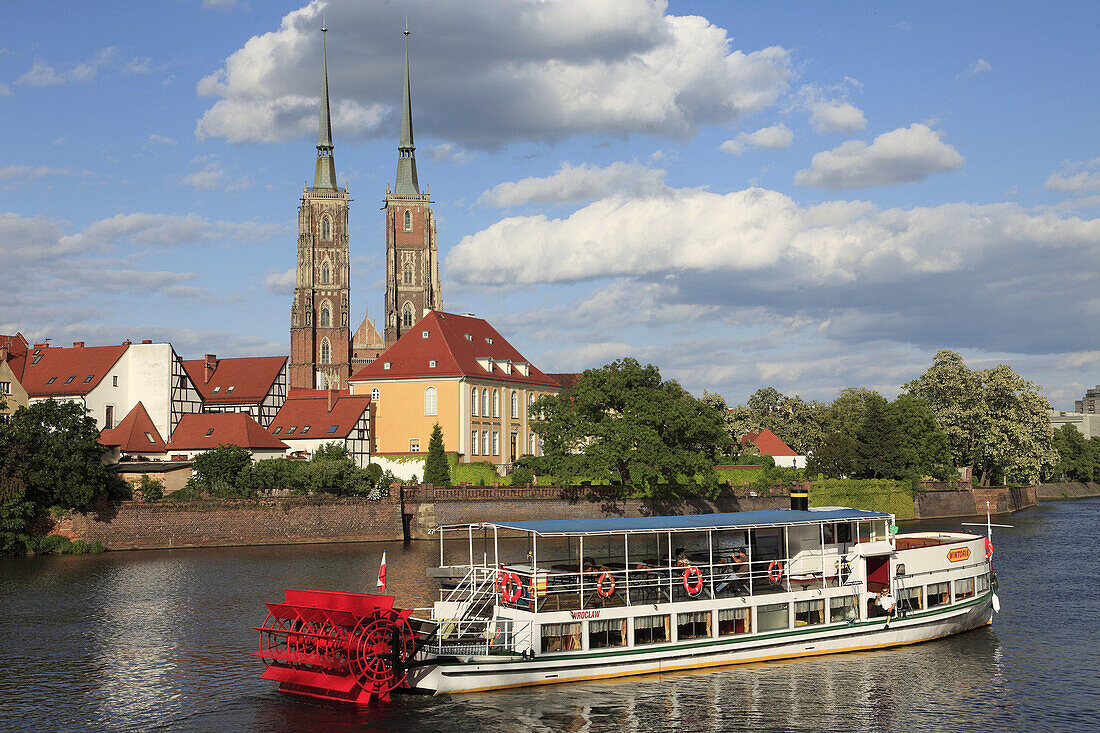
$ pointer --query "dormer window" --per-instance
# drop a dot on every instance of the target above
(488, 339)
(70, 379)
(431, 363)
(36, 359)
(469, 337)
(332, 429)
(89, 378)
(291, 429)
(304, 430)
(216, 390)
(149, 437)
(424, 334)
(51, 380)
(385, 365)
(278, 429)
(230, 388)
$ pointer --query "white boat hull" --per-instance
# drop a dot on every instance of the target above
(499, 672)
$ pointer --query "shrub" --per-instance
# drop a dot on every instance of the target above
(151, 488)
(521, 476)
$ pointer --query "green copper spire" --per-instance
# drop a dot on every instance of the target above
(325, 173)
(406, 151)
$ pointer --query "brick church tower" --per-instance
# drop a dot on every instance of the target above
(412, 262)
(320, 339)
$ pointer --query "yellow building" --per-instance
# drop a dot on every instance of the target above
(459, 372)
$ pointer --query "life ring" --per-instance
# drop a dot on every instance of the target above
(775, 571)
(604, 592)
(511, 588)
(988, 549)
(693, 589)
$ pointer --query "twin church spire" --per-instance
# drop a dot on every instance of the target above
(325, 173)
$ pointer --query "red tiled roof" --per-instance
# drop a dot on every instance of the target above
(768, 443)
(135, 434)
(73, 371)
(235, 381)
(17, 353)
(568, 380)
(455, 343)
(209, 430)
(300, 412)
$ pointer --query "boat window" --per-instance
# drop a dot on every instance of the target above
(772, 617)
(844, 532)
(983, 583)
(694, 625)
(651, 629)
(734, 621)
(843, 609)
(909, 599)
(878, 531)
(938, 594)
(561, 637)
(964, 588)
(611, 632)
(809, 613)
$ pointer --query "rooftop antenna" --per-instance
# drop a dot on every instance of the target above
(406, 25)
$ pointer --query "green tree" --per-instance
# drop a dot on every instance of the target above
(953, 393)
(272, 474)
(878, 442)
(924, 447)
(222, 472)
(436, 470)
(151, 488)
(793, 420)
(835, 457)
(333, 451)
(624, 423)
(1074, 454)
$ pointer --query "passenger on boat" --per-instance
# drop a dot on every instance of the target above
(737, 567)
(887, 603)
(681, 557)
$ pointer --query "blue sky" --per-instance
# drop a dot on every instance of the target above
(807, 195)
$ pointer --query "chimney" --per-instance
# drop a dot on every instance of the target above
(800, 496)
(147, 341)
(127, 342)
(333, 395)
(211, 365)
(78, 344)
(41, 346)
(3, 353)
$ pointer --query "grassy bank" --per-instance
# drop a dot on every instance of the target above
(870, 494)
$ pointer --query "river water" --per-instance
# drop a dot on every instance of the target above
(159, 640)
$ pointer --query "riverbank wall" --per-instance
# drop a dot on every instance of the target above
(412, 512)
(1068, 490)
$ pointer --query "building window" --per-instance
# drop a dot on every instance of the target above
(325, 276)
(489, 340)
(531, 446)
(326, 229)
(484, 442)
(473, 442)
(407, 275)
(51, 380)
(515, 404)
(408, 221)
(211, 432)
(374, 394)
(734, 621)
(424, 334)
(694, 625)
(432, 363)
(149, 437)
(496, 403)
(70, 379)
(485, 402)
(611, 632)
(114, 381)
(473, 401)
(430, 402)
(333, 428)
(496, 443)
(278, 430)
(651, 629)
(385, 365)
(5, 388)
(469, 337)
(407, 316)
(326, 351)
(109, 417)
(414, 445)
(326, 315)
(304, 430)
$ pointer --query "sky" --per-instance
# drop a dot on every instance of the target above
(809, 195)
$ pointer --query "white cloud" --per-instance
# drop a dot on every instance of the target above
(577, 183)
(30, 173)
(836, 116)
(214, 176)
(772, 138)
(450, 153)
(281, 283)
(5, 90)
(494, 71)
(155, 139)
(905, 155)
(981, 66)
(1082, 176)
(219, 4)
(42, 74)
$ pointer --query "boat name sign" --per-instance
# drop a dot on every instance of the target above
(959, 554)
(586, 614)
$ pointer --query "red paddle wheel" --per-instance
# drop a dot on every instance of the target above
(352, 647)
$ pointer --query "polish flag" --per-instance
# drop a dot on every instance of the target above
(382, 573)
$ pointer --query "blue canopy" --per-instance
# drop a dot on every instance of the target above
(729, 520)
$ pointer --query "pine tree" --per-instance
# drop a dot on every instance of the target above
(436, 470)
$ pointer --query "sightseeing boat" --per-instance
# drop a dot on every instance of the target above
(541, 602)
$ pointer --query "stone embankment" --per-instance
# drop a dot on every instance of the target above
(411, 512)
(1068, 490)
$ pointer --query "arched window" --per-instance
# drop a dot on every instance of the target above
(326, 228)
(325, 275)
(431, 403)
(473, 401)
(407, 276)
(496, 403)
(485, 402)
(326, 350)
(374, 394)
(407, 316)
(326, 315)
(515, 404)
(408, 221)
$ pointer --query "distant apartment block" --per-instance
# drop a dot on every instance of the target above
(1088, 404)
(1086, 424)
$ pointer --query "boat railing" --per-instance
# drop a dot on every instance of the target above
(563, 586)
(478, 637)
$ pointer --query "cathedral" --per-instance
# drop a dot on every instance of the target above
(323, 350)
